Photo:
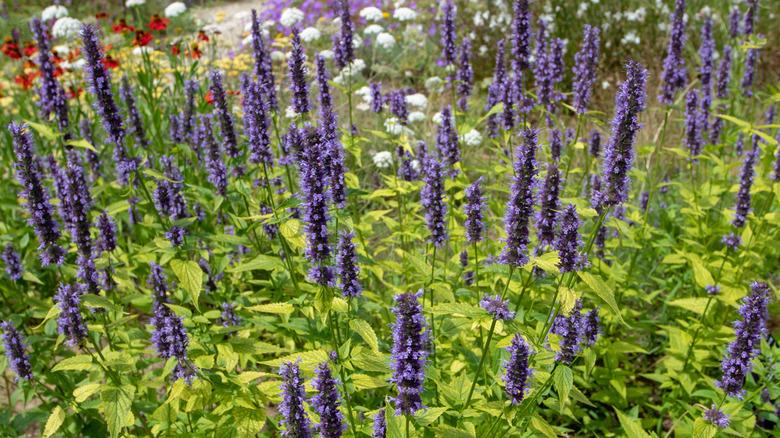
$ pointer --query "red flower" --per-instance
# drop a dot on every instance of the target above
(209, 97)
(74, 92)
(195, 52)
(175, 49)
(29, 48)
(74, 54)
(11, 49)
(202, 36)
(25, 80)
(158, 23)
(110, 62)
(101, 15)
(142, 38)
(121, 26)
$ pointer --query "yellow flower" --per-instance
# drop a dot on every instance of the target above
(219, 17)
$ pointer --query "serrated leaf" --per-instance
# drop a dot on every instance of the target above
(81, 362)
(631, 426)
(84, 392)
(81, 144)
(43, 130)
(53, 312)
(190, 277)
(365, 331)
(54, 422)
(395, 424)
(275, 308)
(248, 421)
(364, 381)
(543, 427)
(429, 415)
(603, 291)
(548, 262)
(563, 381)
(116, 403)
(260, 263)
(703, 429)
(695, 304)
(308, 359)
(700, 273)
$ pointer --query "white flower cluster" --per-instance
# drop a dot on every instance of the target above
(371, 13)
(132, 3)
(352, 70)
(383, 159)
(310, 34)
(472, 138)
(66, 27)
(175, 9)
(404, 14)
(53, 12)
(291, 17)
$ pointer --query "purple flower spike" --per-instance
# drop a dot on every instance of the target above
(693, 138)
(448, 51)
(345, 48)
(228, 315)
(521, 35)
(380, 425)
(52, 97)
(410, 352)
(569, 241)
(447, 141)
(749, 331)
(377, 101)
(326, 403)
(69, 322)
(569, 329)
(594, 145)
(619, 152)
(716, 417)
(256, 123)
(734, 21)
(215, 165)
(521, 203)
(745, 184)
(474, 208)
(495, 90)
(294, 418)
(41, 217)
(547, 217)
(518, 373)
(750, 72)
(348, 269)
(432, 200)
(585, 63)
(297, 66)
(263, 66)
(465, 74)
(396, 100)
(136, 122)
(13, 264)
(15, 351)
(222, 112)
(674, 76)
(750, 16)
(496, 307)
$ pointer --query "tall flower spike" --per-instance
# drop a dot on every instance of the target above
(547, 217)
(70, 323)
(569, 329)
(465, 74)
(380, 425)
(106, 232)
(716, 417)
(396, 101)
(170, 339)
(18, 359)
(749, 73)
(13, 264)
(734, 22)
(348, 269)
(594, 145)
(742, 208)
(187, 120)
(215, 165)
(410, 352)
(328, 120)
(297, 66)
(263, 67)
(136, 122)
(746, 346)
(674, 76)
(346, 44)
(556, 144)
(326, 403)
(521, 35)
(256, 124)
(447, 141)
(619, 152)
(569, 242)
(722, 87)
(52, 97)
(706, 52)
(693, 139)
(497, 307)
(495, 93)
(750, 16)
(518, 372)
(585, 63)
(222, 112)
(432, 200)
(41, 216)
(377, 101)
(448, 51)
(99, 81)
(474, 207)
(521, 202)
(591, 327)
(79, 202)
(313, 179)
(294, 418)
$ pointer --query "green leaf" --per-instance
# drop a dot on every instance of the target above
(260, 263)
(190, 277)
(739, 122)
(43, 130)
(700, 273)
(309, 359)
(366, 332)
(548, 262)
(276, 308)
(603, 291)
(364, 381)
(631, 426)
(703, 429)
(563, 381)
(116, 403)
(82, 393)
(696, 304)
(53, 312)
(54, 422)
(428, 416)
(248, 421)
(543, 427)
(81, 362)
(96, 301)
(395, 424)
(81, 144)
